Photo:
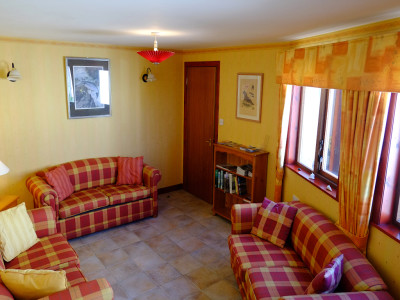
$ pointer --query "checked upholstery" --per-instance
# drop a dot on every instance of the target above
(53, 252)
(265, 271)
(97, 202)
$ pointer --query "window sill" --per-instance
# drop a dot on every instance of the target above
(390, 230)
(316, 182)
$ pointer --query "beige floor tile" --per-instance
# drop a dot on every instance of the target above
(83, 251)
(113, 257)
(146, 232)
(180, 288)
(182, 254)
(177, 234)
(137, 284)
(185, 264)
(157, 293)
(105, 273)
(103, 246)
(222, 290)
(221, 267)
(126, 238)
(123, 270)
(203, 277)
(119, 293)
(91, 265)
(206, 255)
(191, 244)
(163, 273)
(197, 296)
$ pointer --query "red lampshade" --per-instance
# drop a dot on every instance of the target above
(156, 56)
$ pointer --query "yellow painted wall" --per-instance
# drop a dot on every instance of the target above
(36, 133)
(263, 134)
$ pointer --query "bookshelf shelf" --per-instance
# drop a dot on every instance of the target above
(233, 188)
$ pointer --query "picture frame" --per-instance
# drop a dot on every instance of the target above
(88, 87)
(249, 96)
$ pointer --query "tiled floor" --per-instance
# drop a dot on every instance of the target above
(181, 254)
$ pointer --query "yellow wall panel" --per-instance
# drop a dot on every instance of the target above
(36, 133)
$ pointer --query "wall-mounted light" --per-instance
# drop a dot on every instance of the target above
(3, 168)
(148, 76)
(13, 75)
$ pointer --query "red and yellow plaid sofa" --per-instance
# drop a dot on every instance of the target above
(97, 202)
(53, 252)
(265, 271)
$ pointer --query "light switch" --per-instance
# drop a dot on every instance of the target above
(221, 121)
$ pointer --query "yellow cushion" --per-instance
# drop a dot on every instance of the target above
(17, 233)
(33, 284)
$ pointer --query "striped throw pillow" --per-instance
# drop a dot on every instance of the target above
(59, 180)
(17, 233)
(328, 279)
(273, 222)
(130, 170)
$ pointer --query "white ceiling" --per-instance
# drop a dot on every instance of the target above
(186, 24)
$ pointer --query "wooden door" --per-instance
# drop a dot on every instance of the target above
(200, 127)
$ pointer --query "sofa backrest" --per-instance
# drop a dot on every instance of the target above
(317, 241)
(92, 172)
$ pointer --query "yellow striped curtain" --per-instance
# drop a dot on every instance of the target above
(284, 111)
(363, 118)
(362, 68)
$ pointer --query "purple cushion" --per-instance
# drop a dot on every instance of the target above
(274, 221)
(328, 279)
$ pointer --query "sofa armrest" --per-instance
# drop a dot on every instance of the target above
(44, 221)
(151, 176)
(381, 295)
(95, 289)
(243, 216)
(43, 193)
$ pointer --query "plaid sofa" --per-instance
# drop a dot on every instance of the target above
(265, 271)
(53, 252)
(97, 202)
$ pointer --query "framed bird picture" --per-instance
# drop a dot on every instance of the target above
(249, 96)
(88, 87)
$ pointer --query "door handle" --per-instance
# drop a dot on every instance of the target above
(210, 141)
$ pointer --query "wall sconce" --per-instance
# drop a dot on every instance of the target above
(3, 168)
(148, 76)
(13, 75)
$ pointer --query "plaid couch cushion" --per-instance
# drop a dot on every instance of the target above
(317, 241)
(273, 222)
(51, 252)
(328, 279)
(266, 283)
(81, 202)
(92, 172)
(59, 180)
(130, 170)
(124, 193)
(249, 251)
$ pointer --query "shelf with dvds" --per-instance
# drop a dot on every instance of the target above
(239, 177)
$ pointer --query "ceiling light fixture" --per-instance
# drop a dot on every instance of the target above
(13, 75)
(155, 56)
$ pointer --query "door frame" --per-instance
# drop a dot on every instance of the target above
(215, 64)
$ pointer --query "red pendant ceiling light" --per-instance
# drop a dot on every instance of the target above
(155, 56)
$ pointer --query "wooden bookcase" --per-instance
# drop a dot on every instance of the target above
(255, 185)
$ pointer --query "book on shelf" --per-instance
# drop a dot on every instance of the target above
(245, 170)
(230, 183)
(227, 167)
